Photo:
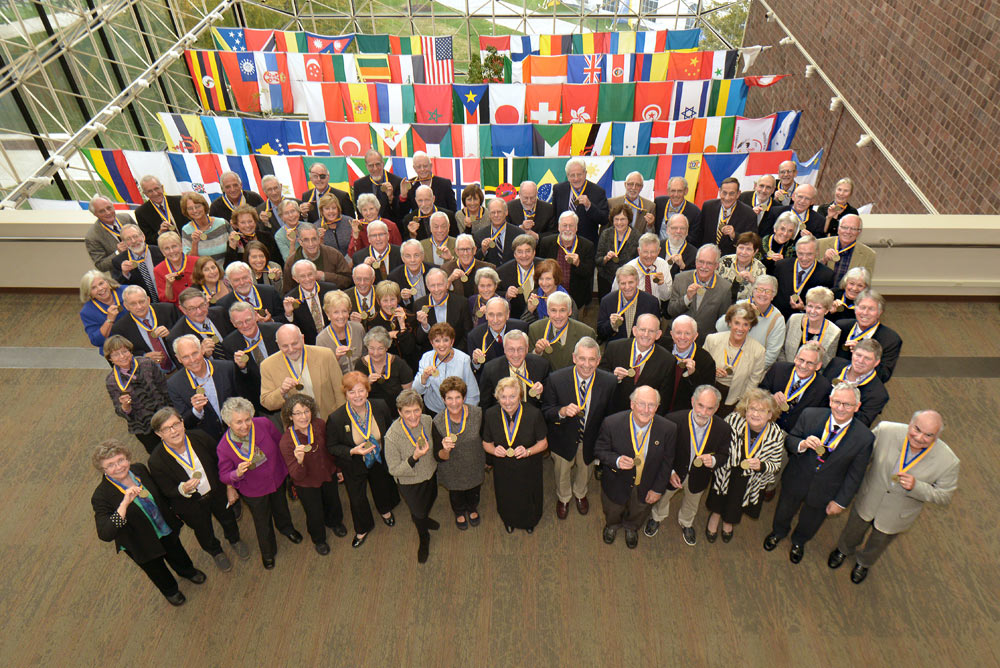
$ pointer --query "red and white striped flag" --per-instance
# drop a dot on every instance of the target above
(439, 63)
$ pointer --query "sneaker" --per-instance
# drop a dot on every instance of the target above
(241, 549)
(652, 526)
(222, 562)
(690, 537)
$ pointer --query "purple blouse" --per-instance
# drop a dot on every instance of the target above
(265, 478)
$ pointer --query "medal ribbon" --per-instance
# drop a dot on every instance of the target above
(204, 332)
(190, 376)
(680, 252)
(137, 260)
(136, 480)
(832, 443)
(690, 355)
(621, 310)
(291, 369)
(409, 436)
(238, 451)
(561, 334)
(388, 365)
(164, 212)
(576, 242)
(757, 203)
(511, 425)
(620, 245)
(366, 431)
(523, 377)
(522, 275)
(447, 423)
(225, 200)
(576, 195)
(111, 231)
(836, 246)
(854, 335)
(114, 296)
(864, 380)
(295, 437)
(796, 285)
(707, 286)
(184, 261)
(770, 307)
(496, 235)
(347, 329)
(118, 375)
(640, 445)
(637, 358)
(138, 322)
(698, 445)
(576, 389)
(185, 462)
(739, 353)
(255, 302)
(805, 329)
(791, 398)
(906, 464)
(635, 207)
(748, 449)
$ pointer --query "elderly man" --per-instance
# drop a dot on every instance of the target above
(862, 373)
(620, 309)
(761, 198)
(639, 360)
(485, 342)
(382, 184)
(724, 219)
(575, 402)
(639, 209)
(910, 466)
(249, 345)
(160, 212)
(636, 448)
(209, 324)
(462, 268)
(299, 368)
(674, 203)
(147, 326)
(574, 255)
(135, 265)
(201, 387)
(828, 452)
(362, 295)
(411, 275)
(273, 191)
(700, 293)
(517, 276)
(303, 305)
(529, 213)
(694, 365)
(264, 299)
(514, 360)
(808, 220)
(703, 441)
(555, 337)
(382, 256)
(587, 199)
(104, 239)
(442, 188)
(416, 223)
(330, 263)
(439, 247)
(495, 243)
(233, 195)
(439, 306)
(797, 276)
(798, 385)
(844, 252)
(677, 250)
(319, 176)
(787, 171)
(867, 324)
(770, 328)
(654, 273)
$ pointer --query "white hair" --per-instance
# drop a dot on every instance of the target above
(576, 161)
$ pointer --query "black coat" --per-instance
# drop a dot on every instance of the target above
(302, 316)
(394, 261)
(581, 278)
(785, 270)
(251, 373)
(679, 388)
(219, 208)
(564, 433)
(889, 340)
(168, 474)
(458, 317)
(137, 537)
(545, 216)
(135, 276)
(474, 340)
(398, 276)
(742, 220)
(717, 444)
(149, 220)
(497, 256)
(218, 317)
(166, 316)
(615, 440)
(538, 369)
(346, 205)
(388, 208)
(444, 195)
(656, 372)
(814, 223)
(690, 211)
(592, 219)
(816, 395)
(225, 387)
(339, 439)
(424, 232)
(646, 303)
(508, 274)
(269, 297)
(874, 396)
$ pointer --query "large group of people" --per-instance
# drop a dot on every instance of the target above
(265, 349)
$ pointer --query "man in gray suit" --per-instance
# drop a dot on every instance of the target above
(909, 467)
(700, 293)
(104, 239)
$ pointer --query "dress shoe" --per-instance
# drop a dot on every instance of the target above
(796, 552)
(858, 574)
(424, 549)
(462, 523)
(237, 510)
(583, 506)
(768, 495)
(509, 528)
(197, 577)
(652, 526)
(389, 521)
(339, 530)
(322, 548)
(530, 530)
(772, 541)
(176, 599)
(689, 535)
(726, 536)
(631, 538)
(241, 549)
(836, 558)
(562, 509)
(358, 540)
(711, 536)
(433, 525)
(293, 536)
(609, 535)
(222, 562)
(268, 562)
(474, 521)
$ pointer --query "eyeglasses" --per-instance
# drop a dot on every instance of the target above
(319, 177)
(758, 410)
(301, 414)
(645, 405)
(173, 426)
(849, 229)
(842, 404)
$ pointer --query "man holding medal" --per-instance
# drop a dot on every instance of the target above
(787, 171)
(555, 337)
(639, 209)
(514, 360)
(574, 255)
(297, 367)
(160, 212)
(761, 199)
(828, 452)
(861, 372)
(808, 220)
(867, 324)
(208, 323)
(232, 196)
(582, 196)
(534, 216)
(201, 387)
(383, 185)
(674, 203)
(135, 266)
(319, 176)
(495, 243)
(798, 386)
(724, 219)
(700, 293)
(910, 467)
(486, 341)
(797, 276)
(620, 309)
(517, 276)
(639, 360)
(462, 268)
(248, 346)
(694, 365)
(146, 326)
(104, 239)
(844, 252)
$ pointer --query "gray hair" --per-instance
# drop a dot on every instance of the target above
(587, 342)
(920, 412)
(805, 239)
(368, 198)
(131, 290)
(190, 338)
(465, 236)
(378, 224)
(706, 388)
(677, 178)
(631, 397)
(847, 387)
(234, 406)
(268, 179)
(487, 272)
(362, 265)
(631, 174)
(685, 319)
(434, 272)
(378, 334)
(712, 248)
(226, 175)
(239, 307)
(856, 274)
(874, 296)
(87, 282)
(498, 200)
(627, 270)
(570, 214)
(524, 239)
(302, 263)
(516, 335)
(787, 218)
(417, 155)
(423, 189)
(133, 226)
(410, 243)
(575, 161)
(147, 178)
(436, 215)
(498, 299)
(237, 266)
(284, 205)
(768, 280)
(94, 200)
(814, 346)
(561, 299)
(649, 239)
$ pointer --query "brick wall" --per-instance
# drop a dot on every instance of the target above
(924, 76)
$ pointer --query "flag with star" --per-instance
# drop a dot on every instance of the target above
(501, 176)
(434, 139)
(266, 136)
(690, 100)
(392, 139)
(432, 103)
(471, 103)
(512, 141)
(241, 71)
(439, 60)
(324, 44)
(546, 173)
(229, 39)
(395, 102)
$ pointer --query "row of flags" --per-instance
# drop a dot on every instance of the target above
(624, 41)
(187, 133)
(622, 68)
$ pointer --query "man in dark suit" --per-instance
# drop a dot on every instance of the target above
(416, 224)
(828, 452)
(443, 189)
(802, 201)
(201, 387)
(798, 386)
(464, 264)
(319, 175)
(232, 196)
(574, 402)
(411, 276)
(382, 256)
(362, 295)
(575, 256)
(438, 306)
(760, 199)
(515, 360)
(797, 276)
(862, 373)
(264, 299)
(210, 325)
(868, 308)
(135, 265)
(637, 361)
(724, 219)
(485, 342)
(616, 314)
(147, 326)
(248, 346)
(517, 276)
(495, 244)
(273, 194)
(667, 206)
(636, 449)
(384, 185)
(303, 305)
(694, 366)
(702, 444)
(159, 212)
(587, 199)
(532, 215)
(679, 253)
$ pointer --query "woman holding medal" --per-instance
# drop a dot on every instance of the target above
(812, 325)
(548, 281)
(754, 461)
(833, 212)
(409, 460)
(251, 464)
(345, 337)
(204, 234)
(312, 469)
(440, 362)
(173, 275)
(398, 323)
(739, 359)
(781, 244)
(742, 269)
(514, 435)
(102, 305)
(130, 510)
(854, 282)
(459, 452)
(354, 436)
(337, 228)
(387, 374)
(368, 208)
(487, 280)
(246, 229)
(137, 388)
(617, 245)
(472, 216)
(207, 277)
(264, 271)
(286, 238)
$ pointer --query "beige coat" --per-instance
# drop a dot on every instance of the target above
(863, 256)
(747, 374)
(793, 339)
(324, 373)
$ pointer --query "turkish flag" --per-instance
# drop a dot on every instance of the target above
(542, 103)
(579, 103)
(652, 100)
(351, 139)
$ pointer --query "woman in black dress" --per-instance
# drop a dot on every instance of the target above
(399, 323)
(388, 374)
(137, 388)
(513, 438)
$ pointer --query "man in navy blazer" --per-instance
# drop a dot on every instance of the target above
(621, 326)
(482, 342)
(798, 384)
(499, 233)
(727, 215)
(209, 324)
(249, 345)
(199, 389)
(515, 356)
(798, 275)
(147, 326)
(587, 199)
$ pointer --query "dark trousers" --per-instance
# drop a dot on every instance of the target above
(420, 499)
(149, 441)
(157, 571)
(810, 518)
(464, 500)
(264, 509)
(384, 493)
(200, 521)
(854, 533)
(322, 507)
(631, 516)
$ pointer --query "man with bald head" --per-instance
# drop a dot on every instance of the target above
(808, 220)
(673, 203)
(462, 268)
(910, 466)
(160, 212)
(844, 251)
(639, 209)
(384, 185)
(639, 360)
(587, 199)
(485, 342)
(296, 367)
(104, 239)
(531, 214)
(443, 189)
(416, 224)
(694, 365)
(233, 195)
(761, 198)
(700, 293)
(787, 171)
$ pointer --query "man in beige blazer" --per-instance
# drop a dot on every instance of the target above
(311, 370)
(439, 247)
(896, 488)
(844, 252)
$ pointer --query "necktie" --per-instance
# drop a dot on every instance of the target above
(364, 305)
(499, 339)
(649, 284)
(148, 282)
(317, 313)
(258, 356)
(796, 383)
(166, 364)
(801, 275)
(718, 235)
(583, 409)
(835, 429)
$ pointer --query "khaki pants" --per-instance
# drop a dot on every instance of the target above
(572, 477)
(689, 505)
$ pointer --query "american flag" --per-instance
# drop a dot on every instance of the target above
(439, 64)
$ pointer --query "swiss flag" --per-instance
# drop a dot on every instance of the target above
(542, 103)
(652, 100)
(350, 139)
(579, 103)
(670, 137)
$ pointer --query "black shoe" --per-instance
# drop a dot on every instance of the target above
(652, 526)
(293, 536)
(389, 521)
(858, 574)
(424, 550)
(631, 538)
(474, 521)
(462, 522)
(530, 531)
(836, 558)
(238, 509)
(197, 577)
(509, 528)
(726, 536)
(689, 536)
(609, 535)
(268, 562)
(772, 541)
(322, 548)
(795, 554)
(358, 540)
(433, 525)
(339, 530)
(176, 599)
(711, 536)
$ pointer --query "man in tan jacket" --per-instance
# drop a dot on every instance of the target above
(311, 370)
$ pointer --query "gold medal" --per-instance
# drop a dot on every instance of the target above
(728, 371)
(295, 302)
(836, 256)
(697, 463)
(364, 315)
(307, 447)
(435, 372)
(838, 306)
(681, 363)
(895, 477)
(658, 278)
(614, 258)
(299, 387)
(199, 390)
(510, 452)
(143, 492)
(425, 309)
(745, 465)
(820, 450)
(784, 406)
(215, 339)
(637, 462)
(465, 278)
(701, 291)
(492, 244)
(196, 475)
(630, 373)
(548, 349)
(525, 291)
(480, 313)
(533, 394)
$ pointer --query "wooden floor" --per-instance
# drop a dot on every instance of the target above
(560, 597)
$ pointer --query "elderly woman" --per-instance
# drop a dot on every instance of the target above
(286, 238)
(312, 469)
(251, 463)
(833, 212)
(781, 244)
(548, 280)
(186, 470)
(343, 336)
(617, 245)
(102, 305)
(855, 281)
(754, 460)
(408, 456)
(265, 272)
(387, 374)
(368, 208)
(207, 277)
(472, 216)
(440, 362)
(203, 235)
(739, 359)
(514, 435)
(742, 269)
(173, 275)
(130, 510)
(458, 449)
(399, 323)
(246, 229)
(137, 388)
(487, 280)
(354, 436)
(336, 227)
(813, 325)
